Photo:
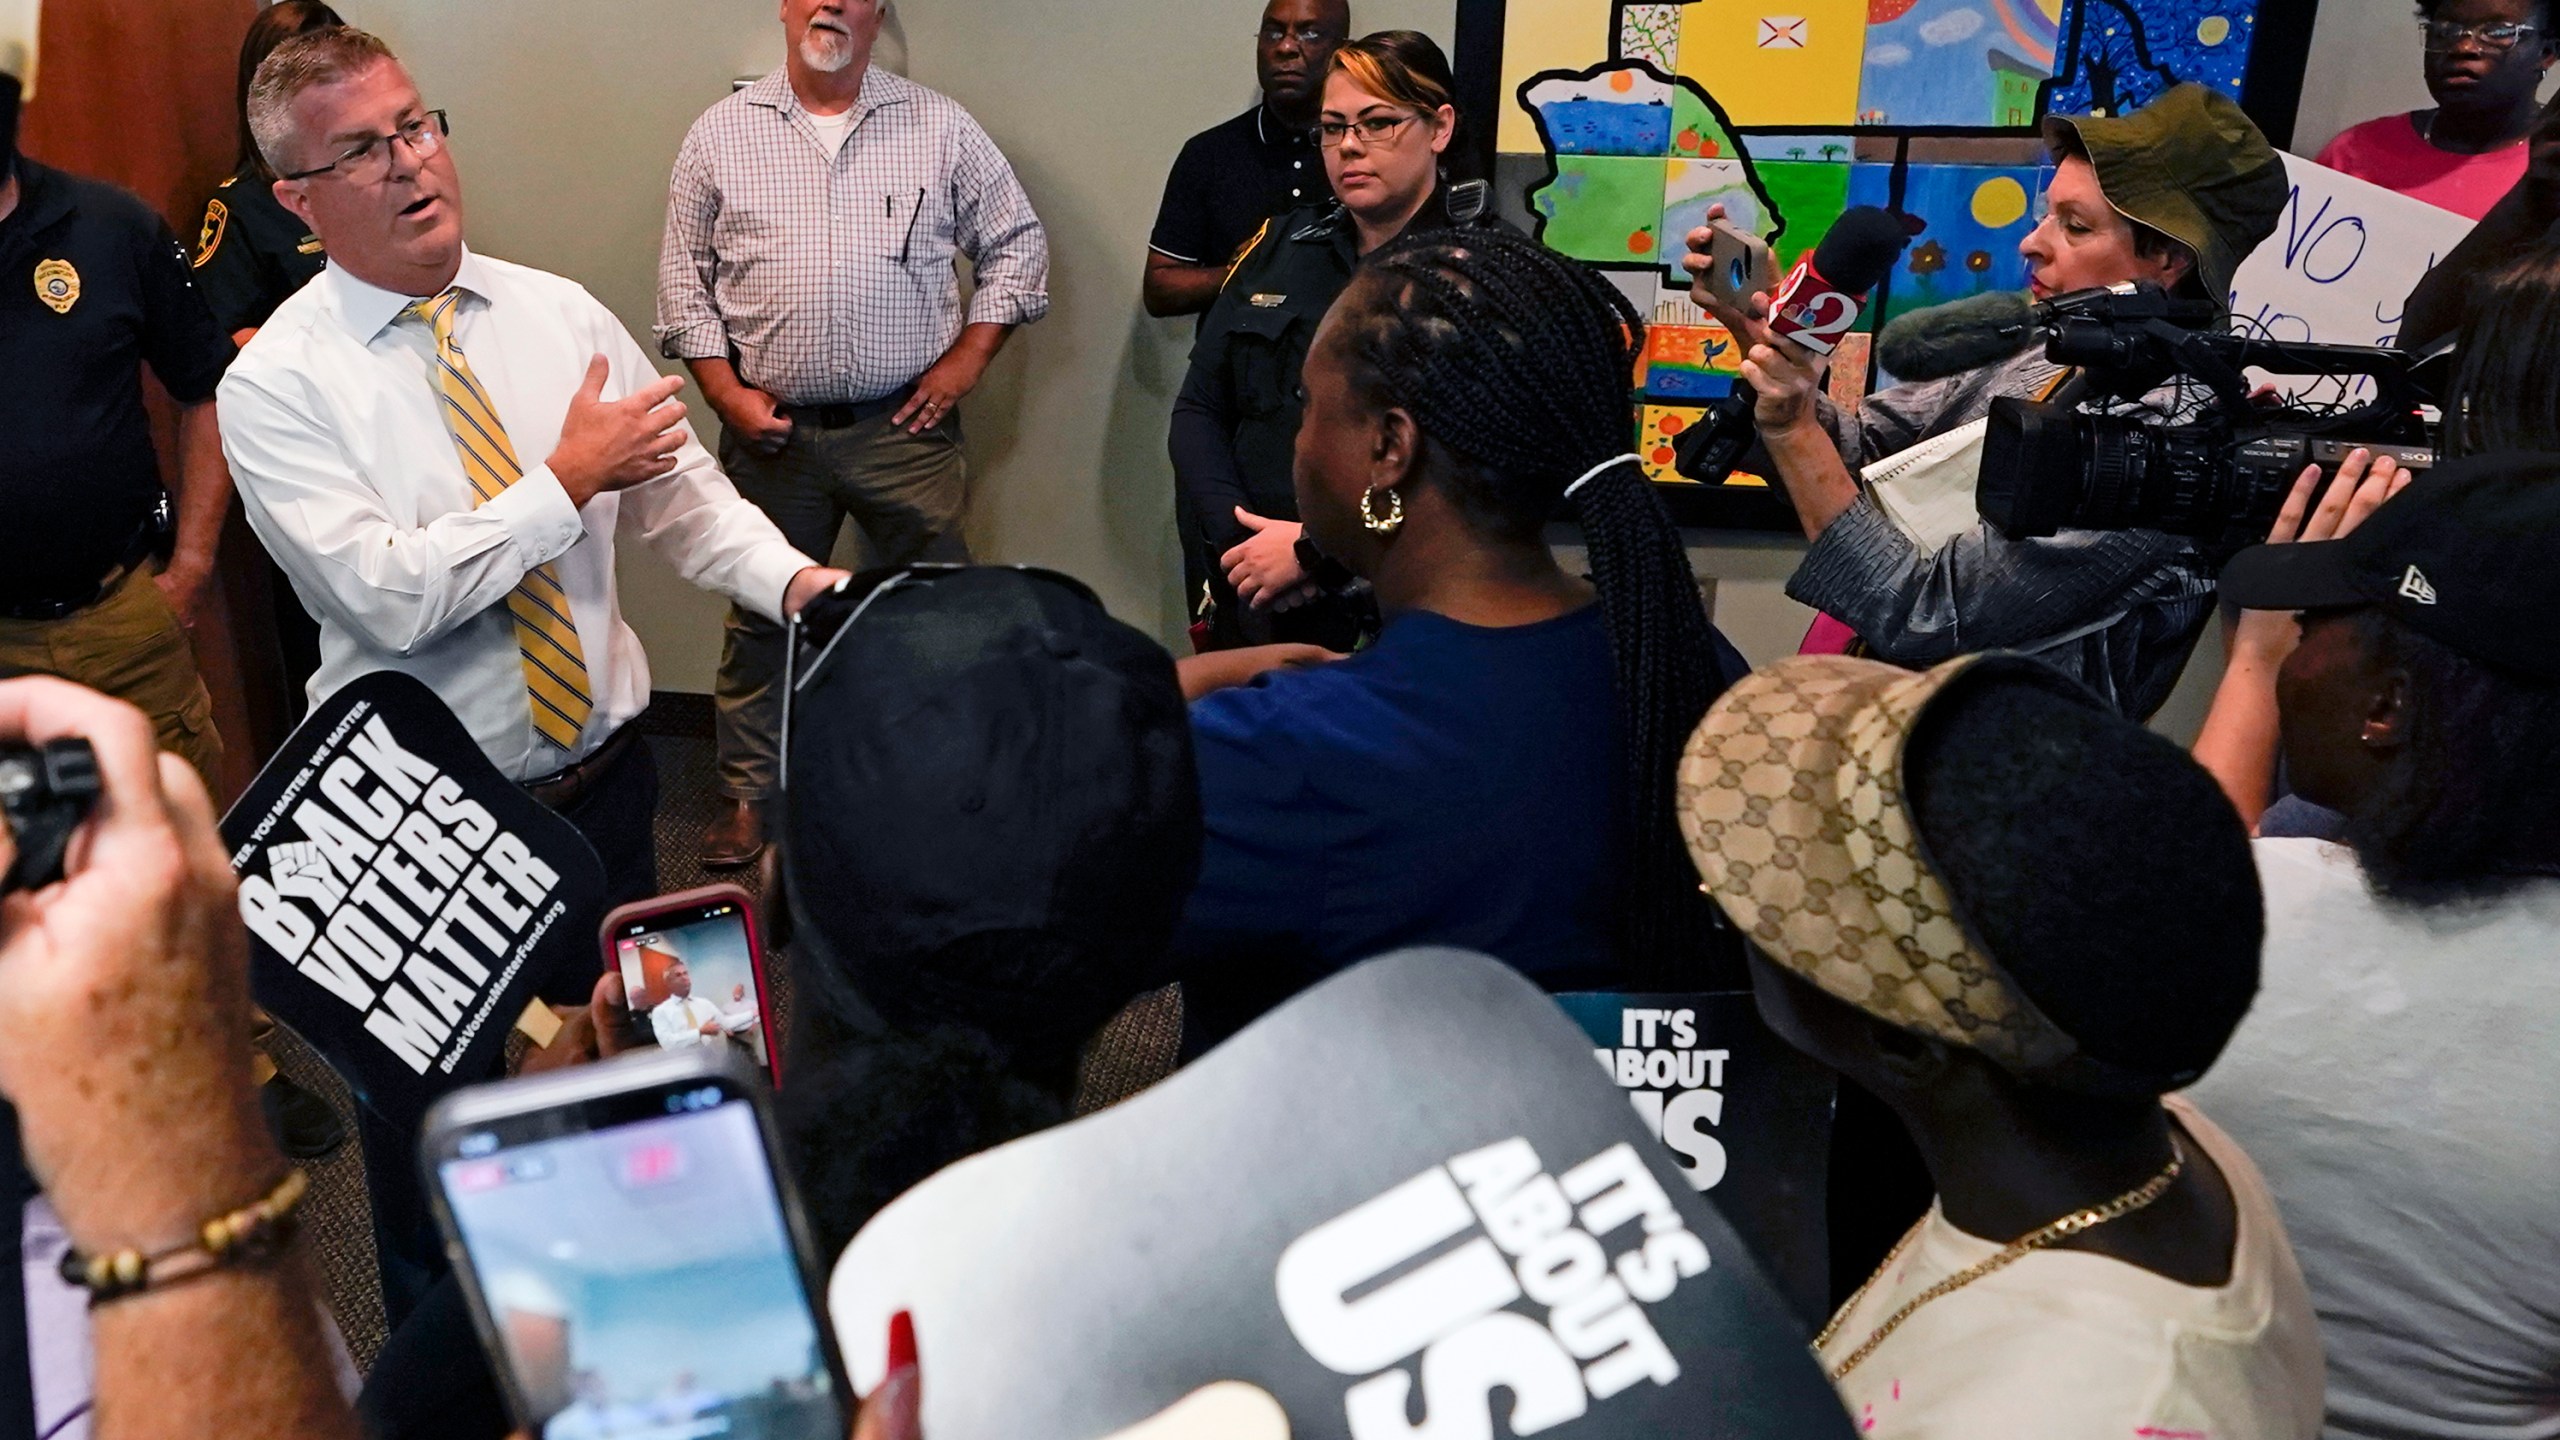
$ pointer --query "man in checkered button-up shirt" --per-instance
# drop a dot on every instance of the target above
(808, 281)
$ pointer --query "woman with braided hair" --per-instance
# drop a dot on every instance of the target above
(1495, 772)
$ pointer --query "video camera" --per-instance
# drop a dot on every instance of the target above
(2220, 478)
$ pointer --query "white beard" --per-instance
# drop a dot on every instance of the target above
(826, 51)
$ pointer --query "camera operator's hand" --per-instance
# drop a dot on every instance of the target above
(2239, 739)
(124, 998)
(1701, 242)
(1783, 375)
(2363, 482)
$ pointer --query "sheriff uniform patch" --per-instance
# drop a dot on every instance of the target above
(217, 223)
(58, 285)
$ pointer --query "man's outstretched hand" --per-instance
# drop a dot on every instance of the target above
(610, 445)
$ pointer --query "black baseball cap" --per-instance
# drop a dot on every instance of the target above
(991, 815)
(2468, 556)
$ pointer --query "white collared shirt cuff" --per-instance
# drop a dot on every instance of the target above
(538, 516)
(764, 579)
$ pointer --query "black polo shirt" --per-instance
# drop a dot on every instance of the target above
(92, 287)
(1230, 179)
(251, 253)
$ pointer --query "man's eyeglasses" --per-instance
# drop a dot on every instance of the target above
(1372, 129)
(1309, 36)
(2496, 37)
(367, 163)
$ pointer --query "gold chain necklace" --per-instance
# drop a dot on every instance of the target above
(2074, 1223)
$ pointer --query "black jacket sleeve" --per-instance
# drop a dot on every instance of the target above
(180, 340)
(229, 272)
(1205, 415)
(1203, 445)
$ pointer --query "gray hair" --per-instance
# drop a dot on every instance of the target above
(315, 58)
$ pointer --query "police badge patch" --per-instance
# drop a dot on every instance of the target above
(58, 285)
(217, 223)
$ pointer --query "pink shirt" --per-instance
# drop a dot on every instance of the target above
(2392, 154)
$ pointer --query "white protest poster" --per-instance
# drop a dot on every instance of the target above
(1405, 1203)
(2344, 257)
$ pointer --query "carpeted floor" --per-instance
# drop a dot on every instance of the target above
(1131, 1053)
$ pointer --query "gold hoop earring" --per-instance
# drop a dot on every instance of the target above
(1381, 524)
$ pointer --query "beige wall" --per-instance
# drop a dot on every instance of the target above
(2365, 61)
(568, 112)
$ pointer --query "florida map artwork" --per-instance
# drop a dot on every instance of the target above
(1621, 122)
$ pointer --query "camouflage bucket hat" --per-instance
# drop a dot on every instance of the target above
(2192, 166)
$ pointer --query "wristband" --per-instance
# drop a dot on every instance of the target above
(262, 1228)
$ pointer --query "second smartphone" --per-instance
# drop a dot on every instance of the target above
(692, 967)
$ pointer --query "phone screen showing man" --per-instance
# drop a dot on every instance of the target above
(640, 1275)
(694, 982)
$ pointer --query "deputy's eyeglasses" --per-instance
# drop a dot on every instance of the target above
(2496, 37)
(1309, 36)
(367, 163)
(1372, 129)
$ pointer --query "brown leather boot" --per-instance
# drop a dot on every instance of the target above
(734, 837)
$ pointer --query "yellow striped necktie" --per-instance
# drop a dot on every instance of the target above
(555, 669)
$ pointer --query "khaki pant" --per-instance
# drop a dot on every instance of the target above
(131, 646)
(907, 492)
(128, 645)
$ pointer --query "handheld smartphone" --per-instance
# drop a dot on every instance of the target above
(692, 969)
(632, 1255)
(1739, 265)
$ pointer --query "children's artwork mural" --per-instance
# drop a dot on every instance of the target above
(1624, 120)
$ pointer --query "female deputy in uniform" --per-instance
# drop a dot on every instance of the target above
(1388, 120)
(1495, 772)
(251, 252)
(250, 255)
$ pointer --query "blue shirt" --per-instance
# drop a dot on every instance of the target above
(1450, 785)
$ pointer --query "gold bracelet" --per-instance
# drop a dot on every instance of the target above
(255, 1231)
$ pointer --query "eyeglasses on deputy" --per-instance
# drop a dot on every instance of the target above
(1372, 129)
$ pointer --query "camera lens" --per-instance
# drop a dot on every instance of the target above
(2031, 464)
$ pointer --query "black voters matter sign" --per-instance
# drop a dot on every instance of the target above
(403, 898)
(1403, 1204)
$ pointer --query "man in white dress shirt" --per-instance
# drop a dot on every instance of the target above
(681, 1020)
(438, 447)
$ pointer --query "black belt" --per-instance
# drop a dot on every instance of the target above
(563, 788)
(849, 414)
(14, 608)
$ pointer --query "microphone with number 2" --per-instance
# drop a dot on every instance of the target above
(1815, 306)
